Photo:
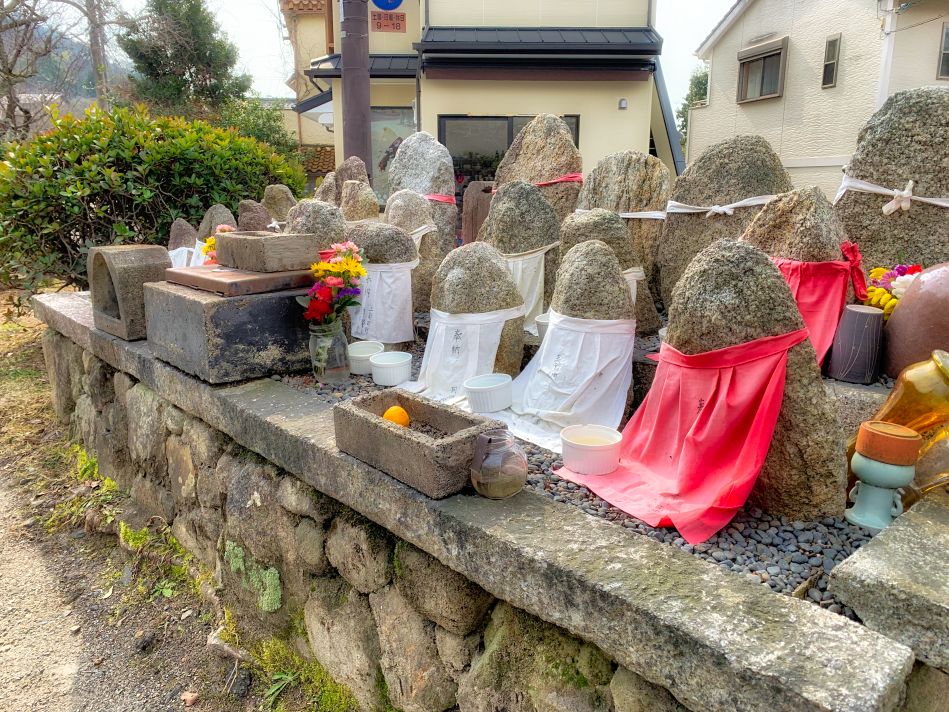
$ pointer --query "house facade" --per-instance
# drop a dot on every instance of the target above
(807, 74)
(473, 73)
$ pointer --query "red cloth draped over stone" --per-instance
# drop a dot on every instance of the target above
(820, 290)
(441, 198)
(694, 448)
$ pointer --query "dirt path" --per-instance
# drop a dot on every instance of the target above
(81, 629)
(39, 657)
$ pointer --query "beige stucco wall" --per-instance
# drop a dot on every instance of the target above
(916, 46)
(308, 39)
(808, 126)
(388, 42)
(384, 92)
(604, 128)
(539, 13)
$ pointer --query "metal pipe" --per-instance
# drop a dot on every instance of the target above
(354, 25)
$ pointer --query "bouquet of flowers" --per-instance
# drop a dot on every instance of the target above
(210, 245)
(337, 284)
(887, 286)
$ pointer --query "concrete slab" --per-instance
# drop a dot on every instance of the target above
(225, 339)
(117, 275)
(899, 583)
(267, 251)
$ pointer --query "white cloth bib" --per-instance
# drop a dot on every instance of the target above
(580, 376)
(459, 347)
(527, 269)
(633, 275)
(385, 305)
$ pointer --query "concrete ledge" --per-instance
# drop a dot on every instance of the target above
(899, 583)
(714, 640)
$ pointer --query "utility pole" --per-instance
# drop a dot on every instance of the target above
(354, 24)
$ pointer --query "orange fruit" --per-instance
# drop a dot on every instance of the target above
(397, 414)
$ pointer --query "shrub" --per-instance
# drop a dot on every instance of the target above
(264, 122)
(119, 177)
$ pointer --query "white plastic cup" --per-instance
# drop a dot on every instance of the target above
(359, 353)
(543, 321)
(591, 449)
(391, 368)
(488, 393)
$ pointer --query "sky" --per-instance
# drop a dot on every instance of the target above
(254, 26)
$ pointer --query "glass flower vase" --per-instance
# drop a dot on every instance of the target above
(328, 352)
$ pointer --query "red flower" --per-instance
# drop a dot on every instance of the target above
(324, 294)
(914, 269)
(317, 310)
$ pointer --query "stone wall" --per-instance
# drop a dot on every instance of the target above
(523, 605)
(385, 619)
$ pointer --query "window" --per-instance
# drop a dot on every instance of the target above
(831, 57)
(944, 53)
(478, 143)
(388, 126)
(761, 70)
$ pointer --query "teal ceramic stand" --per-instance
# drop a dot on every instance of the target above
(877, 496)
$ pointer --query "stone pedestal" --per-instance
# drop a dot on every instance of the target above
(116, 277)
(225, 339)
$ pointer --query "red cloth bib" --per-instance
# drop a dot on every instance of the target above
(566, 178)
(694, 448)
(820, 290)
(441, 198)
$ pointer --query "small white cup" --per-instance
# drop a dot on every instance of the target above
(391, 368)
(489, 393)
(359, 354)
(543, 321)
(591, 449)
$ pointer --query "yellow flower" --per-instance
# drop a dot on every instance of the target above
(877, 272)
(890, 306)
(209, 245)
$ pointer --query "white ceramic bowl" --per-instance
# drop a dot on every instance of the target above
(488, 393)
(543, 321)
(359, 353)
(590, 449)
(391, 368)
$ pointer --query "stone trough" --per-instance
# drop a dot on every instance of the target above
(433, 456)
(382, 573)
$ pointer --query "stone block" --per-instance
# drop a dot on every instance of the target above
(267, 251)
(414, 673)
(311, 540)
(343, 638)
(301, 499)
(438, 593)
(528, 665)
(898, 584)
(360, 551)
(435, 467)
(927, 690)
(456, 651)
(180, 471)
(64, 368)
(154, 500)
(225, 339)
(146, 430)
(117, 276)
(198, 530)
(632, 693)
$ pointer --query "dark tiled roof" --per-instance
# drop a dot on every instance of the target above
(380, 65)
(312, 102)
(605, 40)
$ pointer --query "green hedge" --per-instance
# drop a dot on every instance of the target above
(119, 177)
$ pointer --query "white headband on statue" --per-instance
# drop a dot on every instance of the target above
(902, 199)
(710, 210)
(642, 215)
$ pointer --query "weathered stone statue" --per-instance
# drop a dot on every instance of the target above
(359, 201)
(278, 199)
(314, 217)
(216, 215)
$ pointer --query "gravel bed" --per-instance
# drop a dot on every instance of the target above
(793, 558)
(789, 557)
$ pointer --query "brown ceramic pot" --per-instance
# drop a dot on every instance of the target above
(920, 323)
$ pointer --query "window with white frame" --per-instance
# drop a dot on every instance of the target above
(831, 61)
(944, 53)
(761, 70)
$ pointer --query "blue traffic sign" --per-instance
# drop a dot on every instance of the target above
(387, 4)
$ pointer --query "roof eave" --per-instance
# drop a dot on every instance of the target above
(724, 25)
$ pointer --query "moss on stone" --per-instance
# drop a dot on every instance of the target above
(277, 656)
(134, 539)
(264, 581)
